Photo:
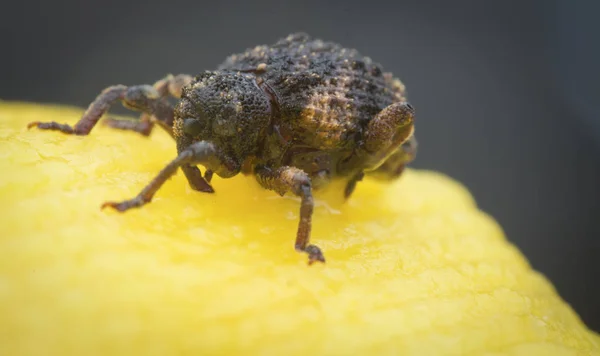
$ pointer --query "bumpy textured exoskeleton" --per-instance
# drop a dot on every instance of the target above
(296, 115)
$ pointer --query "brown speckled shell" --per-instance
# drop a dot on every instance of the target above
(327, 94)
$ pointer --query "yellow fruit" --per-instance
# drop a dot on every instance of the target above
(414, 268)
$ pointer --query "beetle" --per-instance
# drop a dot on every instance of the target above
(296, 115)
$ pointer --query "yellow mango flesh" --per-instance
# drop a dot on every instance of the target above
(413, 267)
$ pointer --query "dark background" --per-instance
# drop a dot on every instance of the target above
(507, 92)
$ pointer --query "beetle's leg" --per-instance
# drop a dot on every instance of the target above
(208, 175)
(296, 181)
(140, 98)
(391, 127)
(145, 98)
(170, 85)
(194, 177)
(393, 167)
(143, 126)
(351, 185)
(202, 152)
(384, 135)
(91, 116)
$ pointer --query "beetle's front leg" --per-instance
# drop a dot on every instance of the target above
(197, 182)
(143, 125)
(202, 152)
(151, 100)
(91, 116)
(169, 86)
(296, 181)
(143, 98)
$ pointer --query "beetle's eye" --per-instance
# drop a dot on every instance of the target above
(192, 127)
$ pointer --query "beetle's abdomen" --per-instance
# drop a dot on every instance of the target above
(327, 93)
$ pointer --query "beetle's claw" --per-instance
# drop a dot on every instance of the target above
(55, 126)
(33, 124)
(124, 205)
(314, 254)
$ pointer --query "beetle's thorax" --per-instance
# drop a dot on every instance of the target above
(226, 108)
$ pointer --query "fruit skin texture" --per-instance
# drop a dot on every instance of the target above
(415, 267)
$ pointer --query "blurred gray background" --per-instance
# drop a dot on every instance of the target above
(507, 92)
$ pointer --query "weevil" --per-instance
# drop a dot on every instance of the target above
(296, 115)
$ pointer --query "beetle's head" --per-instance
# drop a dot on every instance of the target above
(225, 108)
